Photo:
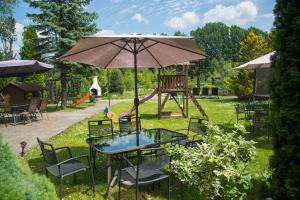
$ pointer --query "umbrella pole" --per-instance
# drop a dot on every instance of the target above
(136, 99)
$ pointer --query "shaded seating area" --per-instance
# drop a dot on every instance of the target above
(22, 101)
(62, 169)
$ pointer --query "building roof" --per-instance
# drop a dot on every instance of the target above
(26, 87)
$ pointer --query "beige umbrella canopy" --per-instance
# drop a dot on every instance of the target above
(117, 51)
(261, 62)
(124, 51)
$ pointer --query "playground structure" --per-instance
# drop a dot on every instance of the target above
(77, 91)
(174, 87)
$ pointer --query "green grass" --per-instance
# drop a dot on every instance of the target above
(70, 107)
(221, 112)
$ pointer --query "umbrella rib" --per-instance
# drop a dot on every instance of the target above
(148, 46)
(178, 47)
(121, 48)
(72, 54)
(152, 56)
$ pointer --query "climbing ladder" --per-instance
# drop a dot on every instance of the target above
(197, 104)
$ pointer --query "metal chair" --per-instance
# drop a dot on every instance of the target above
(99, 128)
(260, 120)
(240, 110)
(63, 168)
(197, 127)
(5, 109)
(127, 125)
(32, 110)
(42, 109)
(140, 174)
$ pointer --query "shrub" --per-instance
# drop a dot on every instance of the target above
(285, 98)
(18, 184)
(217, 167)
(116, 84)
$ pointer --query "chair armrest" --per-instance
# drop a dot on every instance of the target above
(74, 158)
(198, 134)
(182, 129)
(64, 147)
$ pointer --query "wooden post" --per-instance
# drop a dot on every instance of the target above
(159, 94)
(186, 69)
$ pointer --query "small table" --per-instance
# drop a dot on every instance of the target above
(127, 143)
(17, 108)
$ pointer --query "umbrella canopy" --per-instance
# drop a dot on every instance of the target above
(261, 62)
(124, 51)
(12, 68)
(117, 51)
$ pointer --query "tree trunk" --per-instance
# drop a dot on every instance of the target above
(198, 81)
(63, 79)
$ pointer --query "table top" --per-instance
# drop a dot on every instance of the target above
(127, 143)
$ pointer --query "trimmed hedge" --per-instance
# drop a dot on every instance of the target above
(19, 184)
(286, 101)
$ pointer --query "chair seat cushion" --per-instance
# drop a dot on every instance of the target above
(67, 168)
(128, 176)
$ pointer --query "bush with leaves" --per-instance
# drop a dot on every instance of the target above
(217, 168)
(19, 184)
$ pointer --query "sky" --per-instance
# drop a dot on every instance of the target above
(165, 16)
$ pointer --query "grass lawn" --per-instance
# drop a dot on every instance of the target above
(70, 107)
(221, 112)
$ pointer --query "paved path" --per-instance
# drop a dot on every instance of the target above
(47, 128)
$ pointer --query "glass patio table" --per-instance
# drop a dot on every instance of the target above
(120, 144)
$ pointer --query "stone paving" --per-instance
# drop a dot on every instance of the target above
(47, 128)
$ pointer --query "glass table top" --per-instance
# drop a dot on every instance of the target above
(126, 143)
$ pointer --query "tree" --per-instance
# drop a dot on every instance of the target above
(219, 42)
(251, 47)
(61, 23)
(128, 79)
(285, 98)
(29, 51)
(7, 29)
(116, 82)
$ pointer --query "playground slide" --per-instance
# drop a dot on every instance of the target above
(81, 100)
(144, 99)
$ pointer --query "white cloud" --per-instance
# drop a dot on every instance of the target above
(187, 20)
(19, 29)
(105, 32)
(238, 14)
(139, 18)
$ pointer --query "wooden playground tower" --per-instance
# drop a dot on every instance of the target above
(172, 86)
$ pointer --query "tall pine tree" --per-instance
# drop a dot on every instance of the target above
(61, 23)
(286, 101)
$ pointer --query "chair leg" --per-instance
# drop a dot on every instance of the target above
(169, 183)
(181, 191)
(119, 178)
(61, 188)
(75, 179)
(47, 173)
(93, 180)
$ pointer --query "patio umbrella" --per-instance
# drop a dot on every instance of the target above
(262, 73)
(13, 68)
(261, 62)
(133, 51)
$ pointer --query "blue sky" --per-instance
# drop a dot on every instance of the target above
(167, 16)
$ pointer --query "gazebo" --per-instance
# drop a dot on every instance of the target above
(19, 92)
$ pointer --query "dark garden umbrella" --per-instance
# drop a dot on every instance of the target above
(133, 51)
(13, 68)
